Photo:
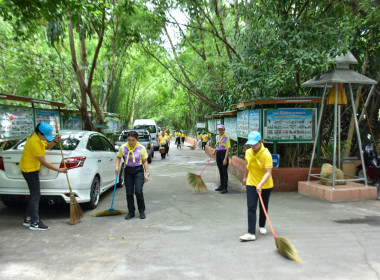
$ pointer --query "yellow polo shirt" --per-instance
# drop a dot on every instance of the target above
(256, 164)
(33, 149)
(204, 138)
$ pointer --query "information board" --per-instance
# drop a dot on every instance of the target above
(47, 116)
(242, 123)
(289, 125)
(231, 127)
(254, 120)
(16, 122)
(73, 123)
(211, 126)
(113, 126)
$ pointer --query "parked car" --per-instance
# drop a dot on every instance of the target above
(144, 139)
(152, 127)
(90, 160)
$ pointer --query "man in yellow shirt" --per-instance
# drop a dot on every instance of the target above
(32, 158)
(257, 179)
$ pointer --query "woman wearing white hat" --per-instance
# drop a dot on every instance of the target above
(222, 149)
(257, 179)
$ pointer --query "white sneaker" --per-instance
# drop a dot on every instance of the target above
(248, 237)
(263, 230)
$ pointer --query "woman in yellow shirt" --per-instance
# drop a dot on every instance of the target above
(163, 141)
(32, 158)
(258, 179)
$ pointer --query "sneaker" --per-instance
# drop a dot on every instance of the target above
(263, 230)
(38, 226)
(130, 215)
(248, 237)
(27, 222)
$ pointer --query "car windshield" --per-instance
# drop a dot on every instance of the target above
(150, 128)
(69, 142)
(142, 137)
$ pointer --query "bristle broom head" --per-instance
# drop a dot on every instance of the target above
(192, 179)
(286, 249)
(108, 212)
(76, 212)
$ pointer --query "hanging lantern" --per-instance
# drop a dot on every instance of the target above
(342, 98)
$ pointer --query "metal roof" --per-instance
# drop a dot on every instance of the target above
(342, 74)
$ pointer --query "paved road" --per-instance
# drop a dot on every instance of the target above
(190, 235)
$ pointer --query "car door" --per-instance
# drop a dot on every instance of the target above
(100, 159)
(108, 160)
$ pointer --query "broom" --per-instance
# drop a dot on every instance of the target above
(76, 212)
(282, 243)
(111, 211)
(196, 181)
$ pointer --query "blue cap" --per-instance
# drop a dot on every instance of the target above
(181, 130)
(253, 138)
(46, 129)
(203, 132)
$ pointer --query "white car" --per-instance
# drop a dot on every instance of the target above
(90, 160)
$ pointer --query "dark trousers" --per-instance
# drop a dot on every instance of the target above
(33, 181)
(163, 155)
(134, 182)
(252, 200)
(178, 142)
(220, 155)
(204, 145)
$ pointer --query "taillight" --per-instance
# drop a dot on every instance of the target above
(2, 163)
(73, 162)
(157, 136)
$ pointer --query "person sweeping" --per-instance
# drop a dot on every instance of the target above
(32, 158)
(257, 179)
(222, 149)
(134, 178)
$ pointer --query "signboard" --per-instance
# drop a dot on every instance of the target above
(231, 127)
(73, 123)
(16, 122)
(47, 116)
(254, 120)
(112, 126)
(289, 125)
(201, 125)
(211, 126)
(217, 122)
(242, 123)
(276, 160)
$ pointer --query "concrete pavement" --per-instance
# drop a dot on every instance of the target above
(190, 235)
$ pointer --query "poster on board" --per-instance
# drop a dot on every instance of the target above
(242, 123)
(72, 123)
(290, 125)
(16, 122)
(231, 129)
(211, 126)
(254, 120)
(47, 116)
(217, 122)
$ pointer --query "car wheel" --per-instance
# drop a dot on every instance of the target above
(120, 182)
(153, 154)
(150, 159)
(94, 194)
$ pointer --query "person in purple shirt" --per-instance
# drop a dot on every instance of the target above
(135, 156)
(222, 149)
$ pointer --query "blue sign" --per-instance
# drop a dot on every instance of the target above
(276, 160)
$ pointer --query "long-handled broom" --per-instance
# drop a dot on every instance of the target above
(111, 211)
(196, 181)
(76, 212)
(282, 243)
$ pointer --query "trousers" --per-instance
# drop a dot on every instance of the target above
(223, 169)
(252, 200)
(32, 208)
(134, 182)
